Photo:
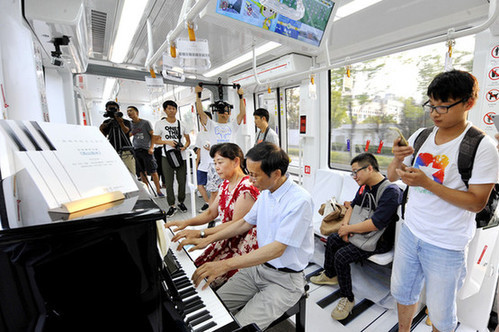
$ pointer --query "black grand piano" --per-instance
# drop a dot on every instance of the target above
(102, 273)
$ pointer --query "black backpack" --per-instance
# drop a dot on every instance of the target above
(465, 160)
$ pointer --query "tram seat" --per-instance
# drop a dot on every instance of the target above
(329, 183)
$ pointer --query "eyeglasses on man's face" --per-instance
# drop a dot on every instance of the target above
(441, 109)
(354, 173)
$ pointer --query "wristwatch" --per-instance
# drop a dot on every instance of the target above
(202, 234)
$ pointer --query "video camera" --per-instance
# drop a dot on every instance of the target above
(221, 107)
(112, 112)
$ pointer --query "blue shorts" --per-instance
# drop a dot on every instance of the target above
(202, 177)
(442, 270)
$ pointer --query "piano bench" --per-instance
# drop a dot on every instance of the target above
(299, 309)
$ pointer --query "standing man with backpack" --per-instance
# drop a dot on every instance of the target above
(441, 207)
(169, 132)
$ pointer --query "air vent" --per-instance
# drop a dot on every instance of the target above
(98, 30)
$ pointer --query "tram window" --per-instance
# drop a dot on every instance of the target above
(188, 117)
(385, 92)
(293, 121)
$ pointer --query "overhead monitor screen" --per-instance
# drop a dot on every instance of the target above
(309, 29)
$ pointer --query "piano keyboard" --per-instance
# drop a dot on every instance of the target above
(203, 309)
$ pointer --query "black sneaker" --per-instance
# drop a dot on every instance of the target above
(182, 207)
(171, 211)
(204, 208)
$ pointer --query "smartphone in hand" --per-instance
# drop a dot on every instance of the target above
(403, 141)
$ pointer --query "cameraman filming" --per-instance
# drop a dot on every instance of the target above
(222, 131)
(116, 129)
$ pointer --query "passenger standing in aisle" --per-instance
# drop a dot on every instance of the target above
(203, 163)
(222, 131)
(265, 133)
(440, 211)
(143, 144)
(270, 279)
(170, 132)
(116, 129)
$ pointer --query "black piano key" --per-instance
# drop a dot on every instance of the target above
(187, 292)
(178, 273)
(183, 284)
(200, 320)
(191, 300)
(198, 315)
(206, 327)
(194, 308)
(194, 303)
(180, 280)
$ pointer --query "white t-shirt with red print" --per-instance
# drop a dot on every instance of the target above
(429, 217)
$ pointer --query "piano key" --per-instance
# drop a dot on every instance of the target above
(193, 299)
(187, 292)
(206, 327)
(200, 320)
(194, 308)
(203, 300)
(197, 315)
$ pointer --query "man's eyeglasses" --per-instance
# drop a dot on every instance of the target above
(441, 109)
(354, 173)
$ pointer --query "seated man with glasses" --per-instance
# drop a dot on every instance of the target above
(440, 212)
(339, 252)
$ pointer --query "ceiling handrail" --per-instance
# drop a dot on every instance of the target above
(173, 34)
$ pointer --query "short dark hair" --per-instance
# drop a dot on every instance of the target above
(271, 156)
(454, 84)
(208, 114)
(229, 150)
(169, 103)
(112, 103)
(366, 159)
(263, 113)
(134, 108)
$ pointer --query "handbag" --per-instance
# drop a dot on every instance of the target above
(333, 213)
(174, 156)
(367, 241)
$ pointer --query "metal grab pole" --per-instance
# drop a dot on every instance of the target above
(192, 181)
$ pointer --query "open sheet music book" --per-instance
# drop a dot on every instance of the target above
(67, 164)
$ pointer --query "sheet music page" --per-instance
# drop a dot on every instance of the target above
(89, 159)
(67, 162)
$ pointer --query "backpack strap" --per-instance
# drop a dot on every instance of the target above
(467, 152)
(179, 135)
(419, 141)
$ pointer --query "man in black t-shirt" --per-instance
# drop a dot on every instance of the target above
(117, 130)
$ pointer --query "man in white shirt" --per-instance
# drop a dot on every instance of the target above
(270, 279)
(171, 133)
(440, 213)
(265, 133)
(222, 131)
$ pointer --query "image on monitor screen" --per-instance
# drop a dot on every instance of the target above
(309, 29)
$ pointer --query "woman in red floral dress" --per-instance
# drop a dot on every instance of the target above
(235, 198)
